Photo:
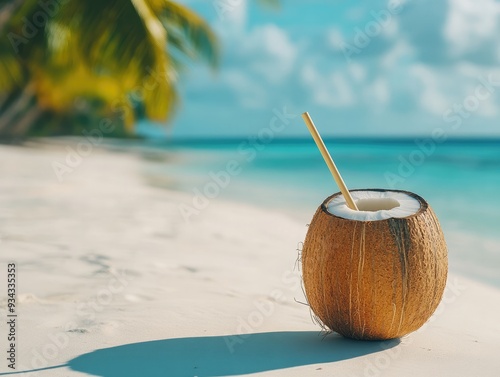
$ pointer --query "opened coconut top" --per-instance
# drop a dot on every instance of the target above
(374, 205)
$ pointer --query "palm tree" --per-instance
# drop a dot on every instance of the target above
(110, 56)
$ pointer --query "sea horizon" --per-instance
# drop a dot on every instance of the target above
(473, 139)
(459, 178)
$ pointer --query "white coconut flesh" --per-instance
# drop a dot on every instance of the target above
(374, 205)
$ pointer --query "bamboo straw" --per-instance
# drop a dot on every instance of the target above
(329, 161)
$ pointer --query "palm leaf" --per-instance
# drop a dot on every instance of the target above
(119, 39)
(109, 49)
(11, 71)
(195, 38)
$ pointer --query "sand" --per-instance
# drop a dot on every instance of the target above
(113, 281)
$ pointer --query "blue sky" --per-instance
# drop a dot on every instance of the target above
(361, 68)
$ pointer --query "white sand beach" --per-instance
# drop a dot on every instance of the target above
(112, 281)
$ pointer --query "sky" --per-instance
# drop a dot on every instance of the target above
(360, 68)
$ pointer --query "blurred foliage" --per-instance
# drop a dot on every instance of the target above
(66, 64)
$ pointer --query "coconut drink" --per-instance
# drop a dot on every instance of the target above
(374, 261)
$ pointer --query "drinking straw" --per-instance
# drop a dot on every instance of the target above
(329, 161)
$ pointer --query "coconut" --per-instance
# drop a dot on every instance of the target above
(377, 273)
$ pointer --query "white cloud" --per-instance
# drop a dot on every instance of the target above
(249, 93)
(391, 29)
(269, 52)
(400, 50)
(431, 97)
(340, 91)
(308, 75)
(488, 108)
(377, 93)
(427, 58)
(256, 61)
(231, 17)
(331, 90)
(265, 51)
(357, 71)
(470, 22)
(334, 38)
(471, 75)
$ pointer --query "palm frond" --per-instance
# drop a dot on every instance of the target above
(12, 74)
(11, 71)
(120, 39)
(198, 39)
(107, 49)
(109, 35)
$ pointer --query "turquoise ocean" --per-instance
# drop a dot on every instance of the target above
(459, 178)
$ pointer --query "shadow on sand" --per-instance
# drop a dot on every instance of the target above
(222, 355)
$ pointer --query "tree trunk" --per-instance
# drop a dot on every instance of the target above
(3, 99)
(27, 121)
(14, 110)
(7, 11)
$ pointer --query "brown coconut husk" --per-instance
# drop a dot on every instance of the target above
(374, 279)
